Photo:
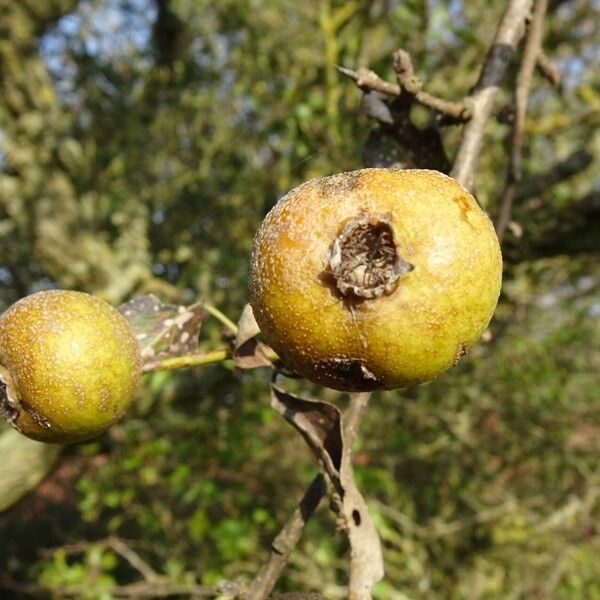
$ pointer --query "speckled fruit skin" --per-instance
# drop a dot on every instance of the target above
(70, 363)
(407, 337)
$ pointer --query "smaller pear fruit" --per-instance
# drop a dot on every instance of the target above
(69, 366)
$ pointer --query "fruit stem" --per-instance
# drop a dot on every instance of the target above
(215, 312)
(188, 360)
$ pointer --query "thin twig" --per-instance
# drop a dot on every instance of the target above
(133, 558)
(286, 540)
(549, 70)
(156, 589)
(409, 82)
(521, 96)
(481, 100)
(369, 80)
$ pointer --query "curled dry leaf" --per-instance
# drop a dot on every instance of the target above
(248, 352)
(321, 425)
(163, 330)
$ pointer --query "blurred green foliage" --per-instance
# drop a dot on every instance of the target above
(141, 143)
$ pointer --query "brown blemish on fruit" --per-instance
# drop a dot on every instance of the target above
(351, 373)
(338, 184)
(465, 208)
(105, 399)
(461, 351)
(36, 417)
(364, 261)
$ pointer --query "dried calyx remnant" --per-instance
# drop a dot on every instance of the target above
(8, 410)
(364, 261)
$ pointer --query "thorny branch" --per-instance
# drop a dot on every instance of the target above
(368, 80)
(521, 95)
(476, 109)
(510, 31)
(410, 83)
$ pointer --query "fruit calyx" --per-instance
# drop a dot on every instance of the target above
(9, 410)
(14, 410)
(364, 261)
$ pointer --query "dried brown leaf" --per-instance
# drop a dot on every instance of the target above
(249, 352)
(163, 330)
(321, 425)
